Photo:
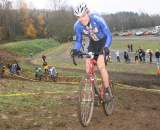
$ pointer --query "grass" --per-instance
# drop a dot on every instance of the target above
(25, 48)
(28, 69)
(145, 68)
(60, 57)
(36, 111)
(33, 101)
(31, 87)
(144, 43)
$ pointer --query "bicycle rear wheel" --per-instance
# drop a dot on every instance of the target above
(86, 101)
(109, 105)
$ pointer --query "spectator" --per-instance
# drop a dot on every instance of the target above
(45, 66)
(143, 56)
(52, 73)
(108, 58)
(13, 68)
(118, 56)
(126, 57)
(9, 67)
(136, 57)
(150, 56)
(18, 69)
(140, 54)
(1, 68)
(38, 73)
(44, 58)
(157, 56)
(131, 47)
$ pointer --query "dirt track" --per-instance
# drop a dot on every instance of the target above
(135, 110)
(133, 79)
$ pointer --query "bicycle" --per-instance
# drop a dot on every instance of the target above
(90, 94)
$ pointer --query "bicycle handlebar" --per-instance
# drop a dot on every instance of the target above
(81, 54)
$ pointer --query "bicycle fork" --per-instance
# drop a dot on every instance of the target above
(87, 91)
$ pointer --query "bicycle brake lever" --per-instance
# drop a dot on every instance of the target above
(74, 61)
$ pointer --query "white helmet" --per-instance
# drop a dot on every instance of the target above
(80, 9)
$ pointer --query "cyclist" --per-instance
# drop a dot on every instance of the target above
(98, 32)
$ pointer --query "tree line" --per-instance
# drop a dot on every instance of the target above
(123, 21)
(23, 22)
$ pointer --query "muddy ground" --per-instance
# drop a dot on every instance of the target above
(133, 79)
(135, 110)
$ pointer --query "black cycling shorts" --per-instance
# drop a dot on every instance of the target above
(97, 46)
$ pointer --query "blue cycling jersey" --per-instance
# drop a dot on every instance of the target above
(96, 30)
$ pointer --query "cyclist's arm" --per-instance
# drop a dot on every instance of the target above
(78, 42)
(106, 31)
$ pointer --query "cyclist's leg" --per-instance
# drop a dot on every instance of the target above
(103, 70)
(105, 78)
(87, 66)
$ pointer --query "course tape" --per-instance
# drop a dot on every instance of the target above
(28, 94)
(118, 85)
(122, 86)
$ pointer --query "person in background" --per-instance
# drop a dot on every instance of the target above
(143, 56)
(140, 54)
(44, 58)
(13, 68)
(118, 56)
(126, 57)
(131, 47)
(150, 56)
(45, 66)
(157, 56)
(1, 68)
(18, 69)
(38, 73)
(52, 73)
(136, 57)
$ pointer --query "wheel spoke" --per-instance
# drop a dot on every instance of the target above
(86, 101)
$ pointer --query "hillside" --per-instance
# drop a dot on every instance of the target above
(44, 105)
(25, 48)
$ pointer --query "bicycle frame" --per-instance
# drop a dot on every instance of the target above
(92, 63)
(91, 74)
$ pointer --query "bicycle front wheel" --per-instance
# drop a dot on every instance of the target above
(86, 101)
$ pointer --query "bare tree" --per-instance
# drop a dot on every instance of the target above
(56, 4)
(7, 19)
